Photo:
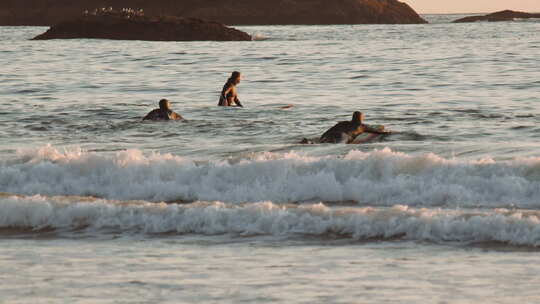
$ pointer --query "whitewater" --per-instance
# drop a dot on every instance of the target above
(376, 178)
(227, 206)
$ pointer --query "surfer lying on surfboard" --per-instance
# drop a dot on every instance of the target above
(349, 132)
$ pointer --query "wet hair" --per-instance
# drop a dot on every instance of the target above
(163, 104)
(234, 75)
(357, 117)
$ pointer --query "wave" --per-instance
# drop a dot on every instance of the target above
(66, 214)
(377, 178)
(259, 37)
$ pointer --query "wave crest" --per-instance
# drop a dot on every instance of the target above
(266, 218)
(379, 178)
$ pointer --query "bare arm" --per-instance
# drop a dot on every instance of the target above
(237, 102)
(175, 116)
(234, 98)
(227, 90)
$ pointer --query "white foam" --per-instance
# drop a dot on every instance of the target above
(259, 37)
(266, 218)
(380, 177)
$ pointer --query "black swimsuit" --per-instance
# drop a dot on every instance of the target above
(223, 100)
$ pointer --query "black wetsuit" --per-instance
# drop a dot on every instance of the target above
(343, 131)
(159, 114)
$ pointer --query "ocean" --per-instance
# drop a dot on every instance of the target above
(97, 206)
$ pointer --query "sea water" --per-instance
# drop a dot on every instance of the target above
(227, 207)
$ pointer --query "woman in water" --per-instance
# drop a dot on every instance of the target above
(229, 95)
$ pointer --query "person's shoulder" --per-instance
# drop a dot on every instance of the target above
(337, 128)
(152, 114)
(342, 124)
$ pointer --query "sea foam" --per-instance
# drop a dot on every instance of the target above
(66, 214)
(377, 178)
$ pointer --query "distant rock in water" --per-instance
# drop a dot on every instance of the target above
(120, 26)
(506, 15)
(231, 12)
(283, 12)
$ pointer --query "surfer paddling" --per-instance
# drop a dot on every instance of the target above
(347, 131)
(163, 113)
(229, 95)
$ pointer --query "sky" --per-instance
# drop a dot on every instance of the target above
(472, 6)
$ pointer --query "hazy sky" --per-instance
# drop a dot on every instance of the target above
(472, 6)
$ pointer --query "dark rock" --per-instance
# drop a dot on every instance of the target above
(237, 12)
(133, 27)
(261, 12)
(506, 15)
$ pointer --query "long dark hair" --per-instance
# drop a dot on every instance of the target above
(234, 76)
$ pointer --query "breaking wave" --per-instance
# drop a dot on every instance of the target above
(265, 218)
(376, 178)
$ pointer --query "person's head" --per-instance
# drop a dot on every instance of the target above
(164, 105)
(357, 117)
(235, 77)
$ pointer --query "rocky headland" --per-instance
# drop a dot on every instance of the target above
(506, 15)
(231, 12)
(133, 25)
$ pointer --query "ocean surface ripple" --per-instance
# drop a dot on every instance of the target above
(97, 206)
(461, 100)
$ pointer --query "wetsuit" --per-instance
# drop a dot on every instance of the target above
(346, 132)
(159, 114)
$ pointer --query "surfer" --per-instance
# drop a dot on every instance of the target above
(163, 113)
(347, 131)
(229, 95)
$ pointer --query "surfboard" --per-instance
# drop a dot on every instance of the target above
(368, 137)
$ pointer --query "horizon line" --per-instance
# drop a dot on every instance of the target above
(491, 12)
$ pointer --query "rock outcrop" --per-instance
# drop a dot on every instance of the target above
(231, 12)
(506, 15)
(135, 26)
